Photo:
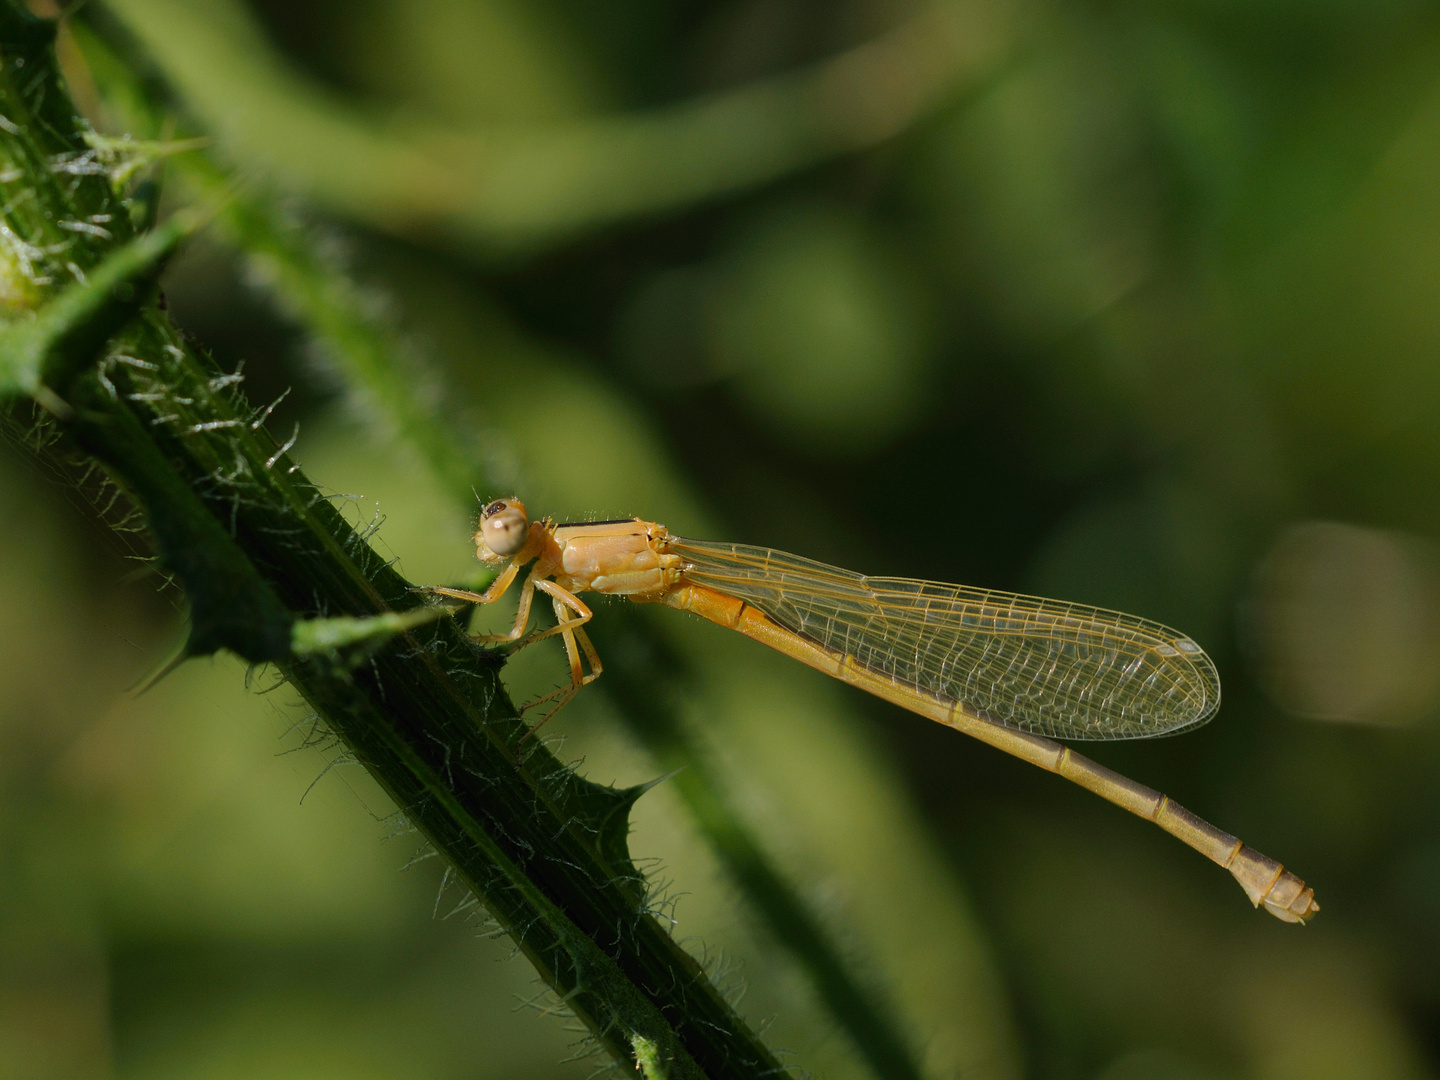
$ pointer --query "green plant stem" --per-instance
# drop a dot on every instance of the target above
(510, 188)
(259, 549)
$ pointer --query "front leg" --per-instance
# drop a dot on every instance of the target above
(497, 589)
(522, 614)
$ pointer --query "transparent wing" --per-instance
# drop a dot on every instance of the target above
(1067, 671)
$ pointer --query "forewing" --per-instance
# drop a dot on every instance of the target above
(1067, 671)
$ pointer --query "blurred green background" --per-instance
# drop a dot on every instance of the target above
(1136, 304)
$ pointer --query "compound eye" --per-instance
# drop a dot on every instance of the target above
(504, 526)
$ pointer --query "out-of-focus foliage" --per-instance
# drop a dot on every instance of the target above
(1134, 304)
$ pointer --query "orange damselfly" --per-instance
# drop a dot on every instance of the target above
(1013, 671)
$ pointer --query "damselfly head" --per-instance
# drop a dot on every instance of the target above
(504, 528)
